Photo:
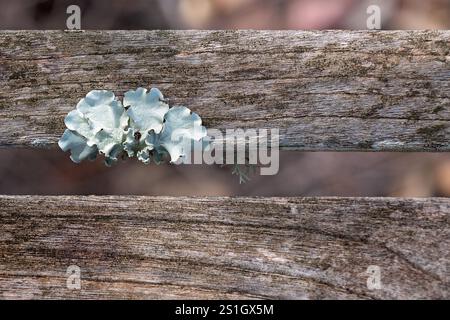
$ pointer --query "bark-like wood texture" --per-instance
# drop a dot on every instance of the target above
(324, 90)
(163, 247)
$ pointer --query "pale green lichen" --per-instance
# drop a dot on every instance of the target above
(143, 126)
(146, 110)
(180, 128)
(99, 120)
(78, 147)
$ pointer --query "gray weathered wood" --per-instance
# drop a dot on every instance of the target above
(163, 247)
(325, 90)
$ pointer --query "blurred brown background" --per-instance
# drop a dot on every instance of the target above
(332, 174)
(225, 14)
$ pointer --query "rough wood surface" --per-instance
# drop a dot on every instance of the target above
(325, 90)
(163, 247)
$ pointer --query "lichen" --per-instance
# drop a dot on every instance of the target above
(143, 126)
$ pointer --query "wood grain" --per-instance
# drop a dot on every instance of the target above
(163, 247)
(324, 90)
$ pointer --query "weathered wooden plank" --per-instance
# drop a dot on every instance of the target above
(163, 247)
(324, 90)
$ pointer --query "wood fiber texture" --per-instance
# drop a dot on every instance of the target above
(163, 247)
(324, 90)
